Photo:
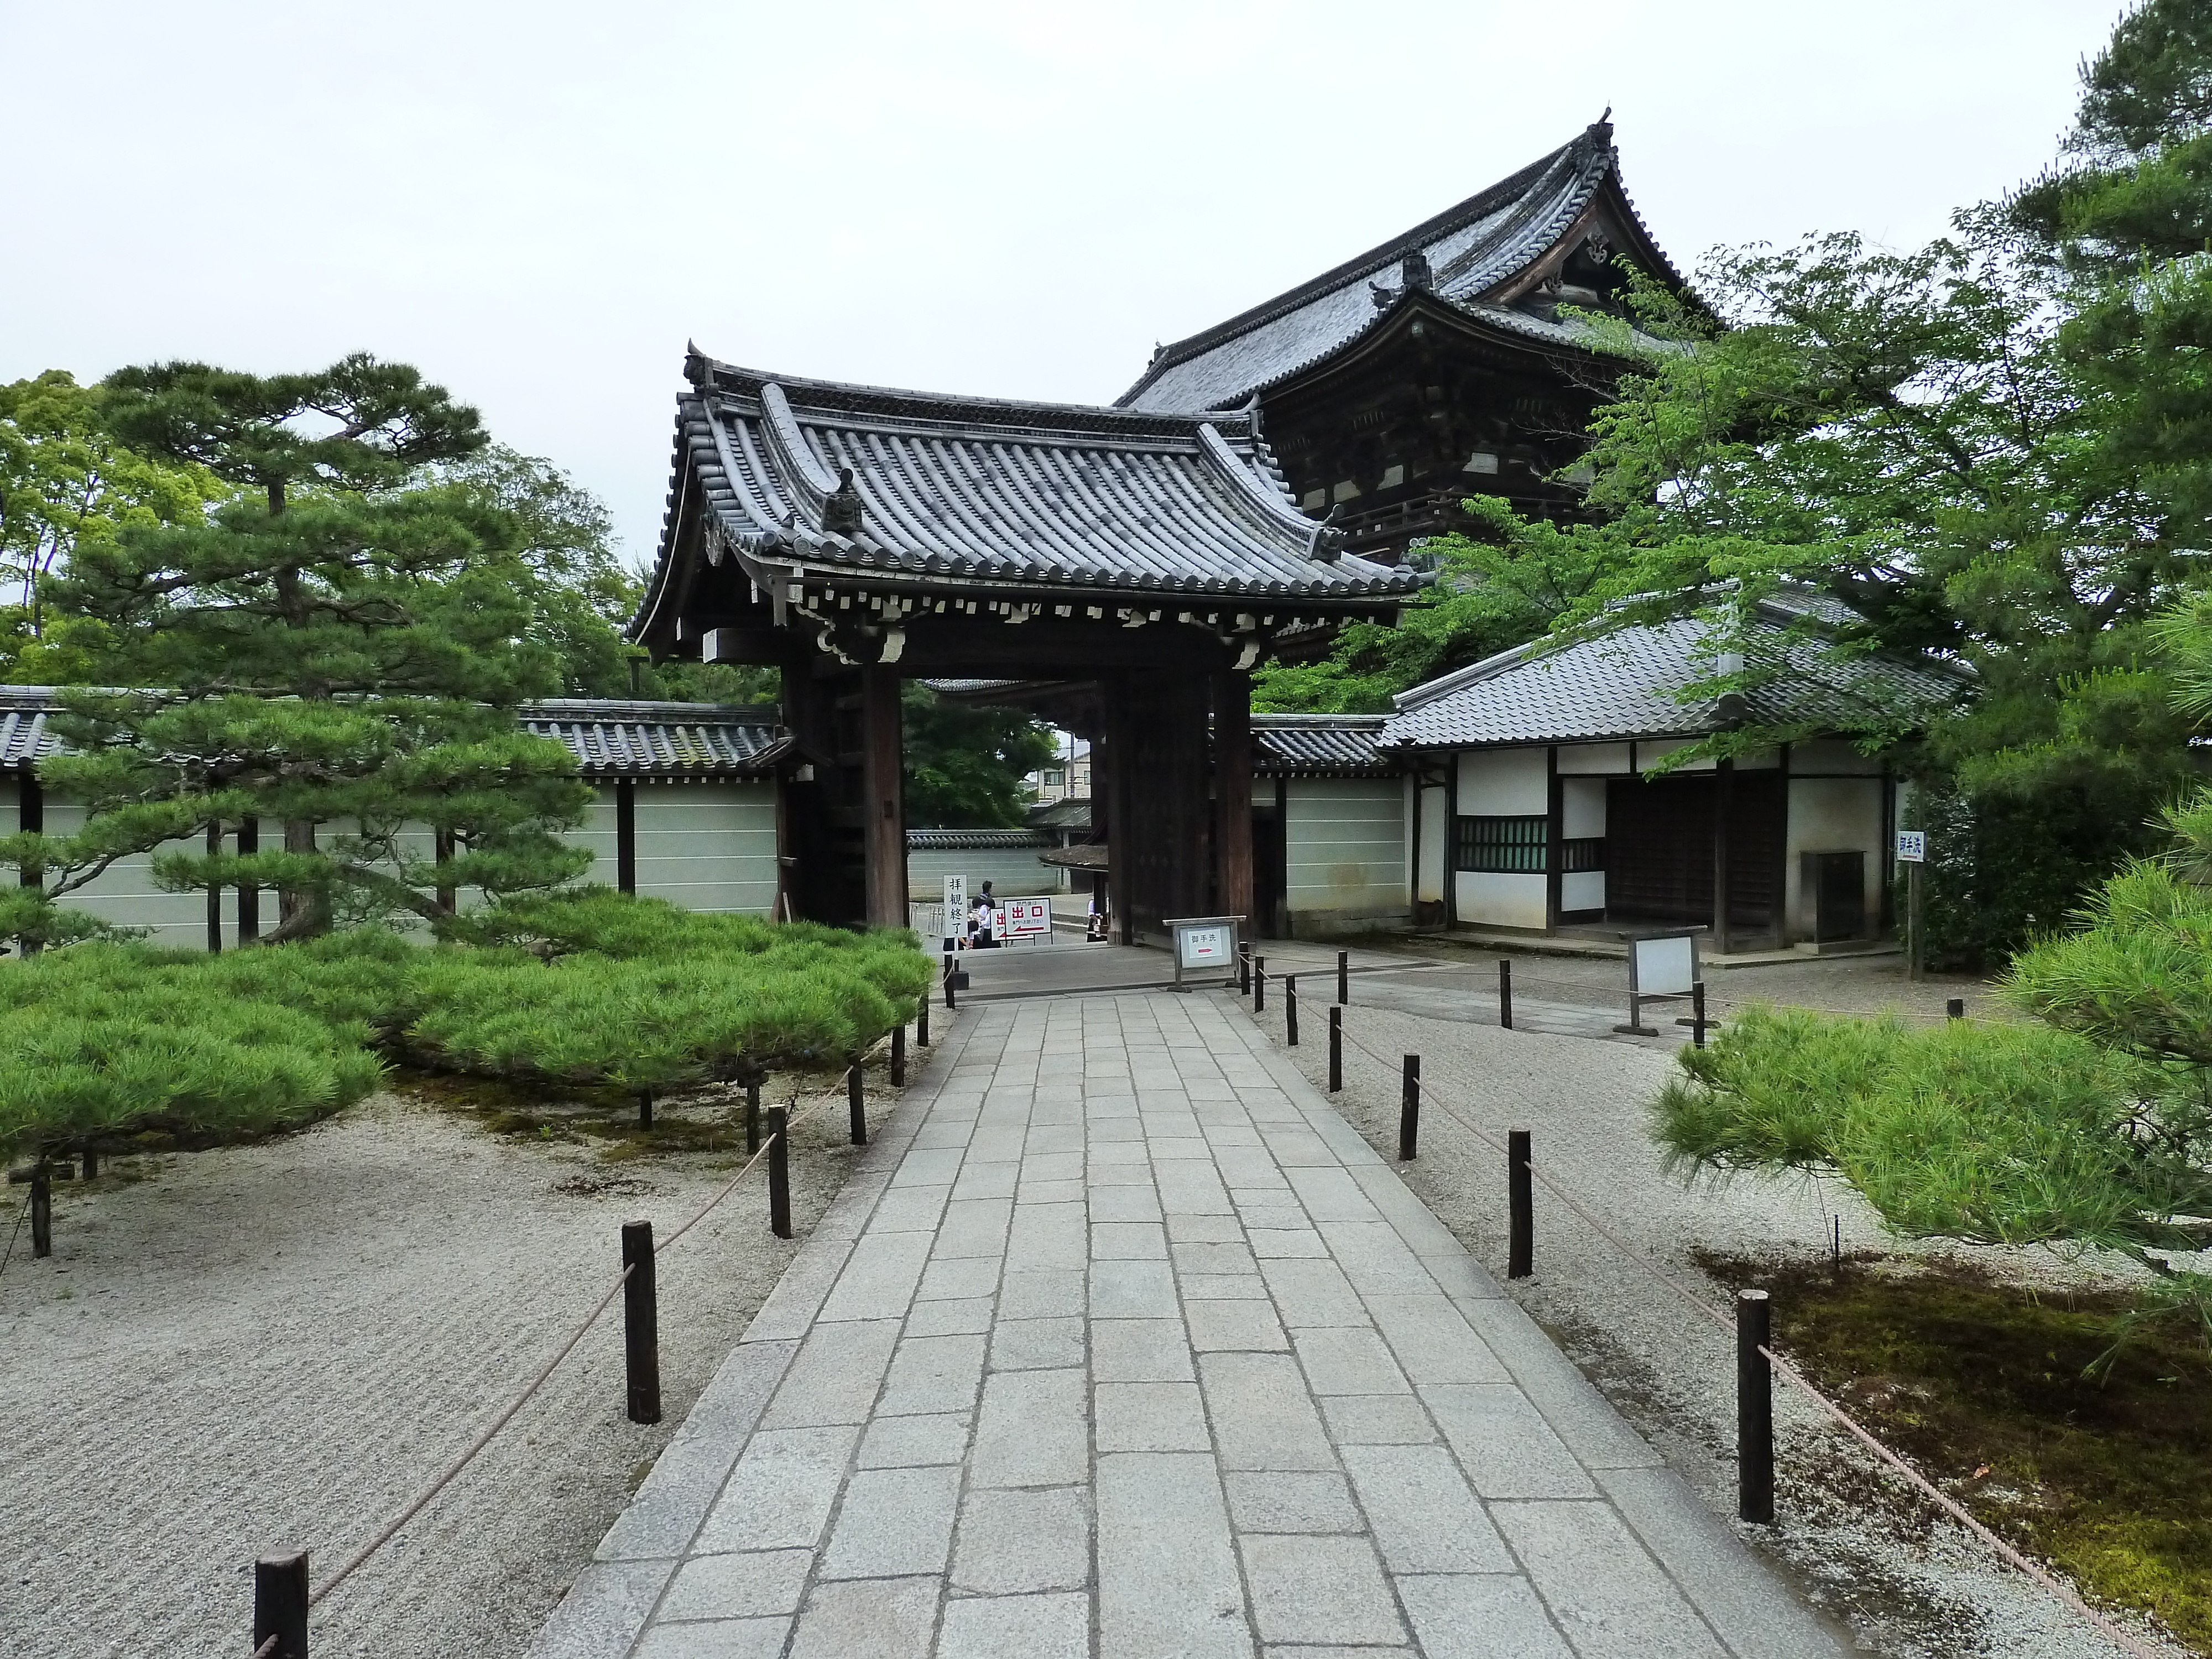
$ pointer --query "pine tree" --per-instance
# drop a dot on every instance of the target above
(338, 649)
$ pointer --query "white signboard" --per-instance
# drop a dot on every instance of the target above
(1201, 947)
(1912, 847)
(1025, 919)
(1664, 967)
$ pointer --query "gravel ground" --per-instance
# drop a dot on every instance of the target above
(274, 1346)
(1899, 1580)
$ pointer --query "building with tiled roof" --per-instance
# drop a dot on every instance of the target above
(1438, 364)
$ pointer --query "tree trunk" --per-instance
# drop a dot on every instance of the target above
(301, 912)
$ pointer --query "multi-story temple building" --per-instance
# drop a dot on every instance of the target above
(1437, 365)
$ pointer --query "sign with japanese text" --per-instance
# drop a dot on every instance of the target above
(1912, 847)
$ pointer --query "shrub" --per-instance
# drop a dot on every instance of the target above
(597, 989)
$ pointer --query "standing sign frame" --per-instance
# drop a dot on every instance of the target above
(1661, 967)
(1202, 942)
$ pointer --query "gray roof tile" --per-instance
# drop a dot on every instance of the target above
(1471, 249)
(1159, 507)
(1621, 685)
(1321, 745)
(611, 737)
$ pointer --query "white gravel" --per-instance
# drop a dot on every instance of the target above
(1899, 1579)
(273, 1347)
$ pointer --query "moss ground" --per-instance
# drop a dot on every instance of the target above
(1989, 1390)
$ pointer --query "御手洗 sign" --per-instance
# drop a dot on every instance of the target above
(1912, 847)
(1203, 942)
(1025, 919)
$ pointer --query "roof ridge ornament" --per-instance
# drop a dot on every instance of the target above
(840, 508)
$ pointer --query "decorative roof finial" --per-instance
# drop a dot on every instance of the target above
(840, 508)
(1415, 275)
(1601, 129)
(696, 368)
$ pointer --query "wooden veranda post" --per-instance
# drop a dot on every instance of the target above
(884, 834)
(1232, 834)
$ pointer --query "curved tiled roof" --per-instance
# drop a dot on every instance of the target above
(1622, 685)
(955, 492)
(613, 738)
(23, 734)
(609, 737)
(1321, 745)
(1471, 250)
(923, 841)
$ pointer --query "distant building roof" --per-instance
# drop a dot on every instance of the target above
(1084, 855)
(611, 737)
(1072, 813)
(1623, 686)
(940, 841)
(1321, 745)
(1471, 251)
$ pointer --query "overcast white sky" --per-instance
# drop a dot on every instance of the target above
(539, 204)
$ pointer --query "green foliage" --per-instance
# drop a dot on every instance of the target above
(339, 643)
(592, 988)
(106, 1039)
(1489, 597)
(711, 682)
(965, 763)
(65, 478)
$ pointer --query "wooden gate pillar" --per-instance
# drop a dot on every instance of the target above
(883, 831)
(1109, 775)
(1232, 791)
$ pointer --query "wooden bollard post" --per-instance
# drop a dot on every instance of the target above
(280, 1604)
(1344, 976)
(1409, 1110)
(42, 1211)
(1243, 970)
(1505, 994)
(1336, 1048)
(1291, 1010)
(1754, 1408)
(91, 1162)
(949, 1002)
(855, 1105)
(1259, 985)
(644, 1109)
(898, 1056)
(779, 1172)
(641, 1323)
(1521, 1207)
(1697, 1014)
(752, 1119)
(921, 1024)
(1955, 1008)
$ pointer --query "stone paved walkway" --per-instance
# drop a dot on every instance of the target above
(1121, 1342)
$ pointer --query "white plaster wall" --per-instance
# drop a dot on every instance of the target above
(1828, 815)
(597, 835)
(1648, 755)
(1594, 757)
(1831, 755)
(1501, 900)
(1582, 889)
(1504, 783)
(1436, 843)
(706, 846)
(1582, 808)
(1344, 842)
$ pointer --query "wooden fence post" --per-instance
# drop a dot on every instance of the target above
(1336, 1048)
(898, 1056)
(779, 1172)
(1291, 1010)
(280, 1604)
(855, 1105)
(1521, 1207)
(641, 1323)
(1754, 1408)
(1505, 994)
(1409, 1109)
(1344, 976)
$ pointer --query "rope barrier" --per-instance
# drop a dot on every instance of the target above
(1791, 1374)
(445, 1477)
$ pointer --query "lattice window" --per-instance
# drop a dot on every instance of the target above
(1581, 853)
(1501, 845)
